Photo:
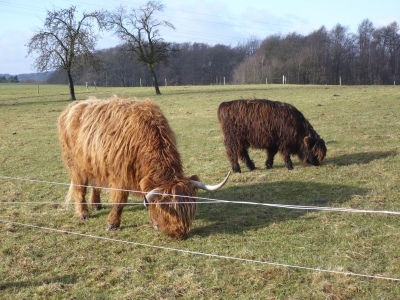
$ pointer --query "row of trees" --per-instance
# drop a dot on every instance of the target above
(191, 64)
(371, 56)
(12, 79)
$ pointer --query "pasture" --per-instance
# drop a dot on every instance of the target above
(361, 128)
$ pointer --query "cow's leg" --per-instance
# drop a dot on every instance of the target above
(81, 206)
(270, 157)
(288, 161)
(77, 189)
(114, 218)
(244, 156)
(235, 167)
(233, 159)
(95, 199)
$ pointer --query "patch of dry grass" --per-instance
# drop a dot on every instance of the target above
(361, 127)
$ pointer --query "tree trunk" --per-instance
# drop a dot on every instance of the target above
(154, 78)
(71, 86)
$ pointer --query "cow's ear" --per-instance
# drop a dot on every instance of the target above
(309, 141)
(194, 177)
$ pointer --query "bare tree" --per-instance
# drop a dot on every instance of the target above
(339, 46)
(252, 70)
(364, 40)
(387, 41)
(138, 29)
(66, 41)
(317, 57)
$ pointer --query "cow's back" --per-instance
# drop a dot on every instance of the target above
(116, 140)
(259, 123)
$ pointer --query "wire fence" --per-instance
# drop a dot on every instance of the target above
(209, 201)
(204, 200)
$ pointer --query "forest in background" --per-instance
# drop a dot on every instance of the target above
(335, 56)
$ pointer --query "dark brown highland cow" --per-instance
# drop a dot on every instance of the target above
(125, 145)
(271, 125)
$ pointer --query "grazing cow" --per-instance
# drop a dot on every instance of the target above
(124, 144)
(271, 125)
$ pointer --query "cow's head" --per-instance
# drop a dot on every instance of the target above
(314, 150)
(172, 208)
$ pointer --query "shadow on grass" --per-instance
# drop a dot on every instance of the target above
(358, 158)
(69, 279)
(343, 160)
(237, 218)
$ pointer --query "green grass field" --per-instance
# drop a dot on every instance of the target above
(361, 127)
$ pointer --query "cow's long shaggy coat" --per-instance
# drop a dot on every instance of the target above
(125, 144)
(271, 125)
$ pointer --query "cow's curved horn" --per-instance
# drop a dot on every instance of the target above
(196, 184)
(150, 195)
(200, 185)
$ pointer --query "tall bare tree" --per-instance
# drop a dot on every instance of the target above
(339, 48)
(66, 41)
(365, 39)
(138, 29)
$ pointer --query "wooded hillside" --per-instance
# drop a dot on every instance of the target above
(369, 56)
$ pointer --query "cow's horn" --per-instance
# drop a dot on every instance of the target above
(196, 184)
(150, 195)
(200, 185)
(145, 201)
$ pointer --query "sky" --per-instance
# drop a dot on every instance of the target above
(226, 22)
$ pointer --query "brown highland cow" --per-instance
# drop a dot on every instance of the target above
(271, 125)
(124, 144)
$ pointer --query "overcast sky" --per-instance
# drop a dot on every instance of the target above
(211, 22)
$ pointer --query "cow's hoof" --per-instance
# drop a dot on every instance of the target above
(236, 170)
(250, 165)
(112, 227)
(84, 216)
(269, 164)
(97, 207)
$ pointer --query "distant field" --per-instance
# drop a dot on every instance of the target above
(361, 127)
